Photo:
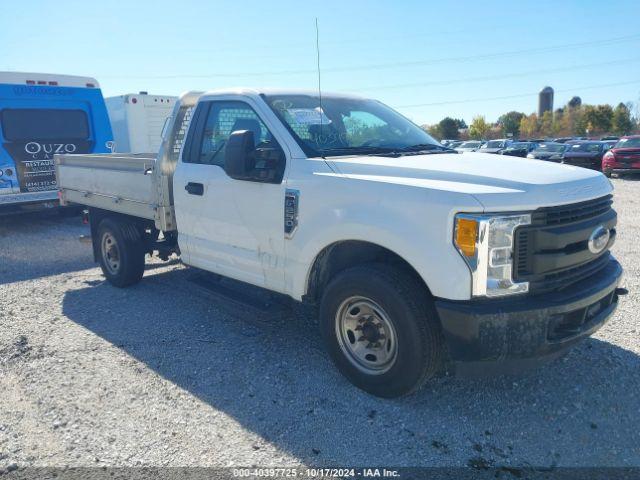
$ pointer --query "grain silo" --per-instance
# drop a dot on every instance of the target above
(545, 101)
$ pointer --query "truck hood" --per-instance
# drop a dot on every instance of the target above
(497, 182)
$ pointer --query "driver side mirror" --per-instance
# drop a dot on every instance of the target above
(243, 161)
(237, 154)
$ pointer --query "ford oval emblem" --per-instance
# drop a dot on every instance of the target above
(598, 239)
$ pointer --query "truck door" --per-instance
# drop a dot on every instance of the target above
(231, 227)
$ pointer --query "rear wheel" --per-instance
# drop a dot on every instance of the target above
(121, 252)
(381, 329)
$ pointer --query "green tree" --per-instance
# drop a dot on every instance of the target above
(462, 125)
(448, 128)
(479, 128)
(510, 123)
(571, 117)
(596, 119)
(529, 126)
(546, 124)
(621, 123)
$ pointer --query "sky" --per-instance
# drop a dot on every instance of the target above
(426, 59)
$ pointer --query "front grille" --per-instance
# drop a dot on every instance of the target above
(564, 278)
(552, 252)
(572, 213)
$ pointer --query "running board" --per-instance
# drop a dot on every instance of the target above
(231, 293)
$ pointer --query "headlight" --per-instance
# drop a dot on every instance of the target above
(486, 244)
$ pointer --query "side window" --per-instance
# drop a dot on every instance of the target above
(222, 119)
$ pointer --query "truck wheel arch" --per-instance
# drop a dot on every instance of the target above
(96, 216)
(345, 254)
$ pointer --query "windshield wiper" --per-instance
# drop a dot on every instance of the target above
(428, 148)
(389, 151)
(367, 150)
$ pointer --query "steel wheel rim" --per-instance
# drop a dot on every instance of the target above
(110, 253)
(366, 335)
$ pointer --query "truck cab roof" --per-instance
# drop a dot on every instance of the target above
(256, 92)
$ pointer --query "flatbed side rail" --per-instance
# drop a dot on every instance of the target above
(115, 182)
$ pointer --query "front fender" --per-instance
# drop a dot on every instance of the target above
(414, 224)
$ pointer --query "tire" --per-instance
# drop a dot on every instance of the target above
(121, 252)
(388, 301)
(607, 173)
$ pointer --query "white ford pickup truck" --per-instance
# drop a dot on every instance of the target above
(419, 257)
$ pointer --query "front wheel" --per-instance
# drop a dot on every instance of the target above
(121, 252)
(381, 329)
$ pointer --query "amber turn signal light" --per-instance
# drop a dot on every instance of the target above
(466, 236)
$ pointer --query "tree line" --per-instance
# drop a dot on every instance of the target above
(574, 119)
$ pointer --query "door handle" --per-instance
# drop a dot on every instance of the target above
(194, 188)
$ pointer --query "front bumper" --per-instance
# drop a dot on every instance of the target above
(619, 167)
(592, 163)
(512, 333)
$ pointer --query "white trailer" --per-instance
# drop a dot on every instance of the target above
(137, 120)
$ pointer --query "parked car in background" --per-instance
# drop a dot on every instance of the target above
(455, 143)
(609, 144)
(562, 139)
(551, 151)
(469, 146)
(624, 157)
(585, 153)
(494, 146)
(610, 137)
(41, 115)
(519, 149)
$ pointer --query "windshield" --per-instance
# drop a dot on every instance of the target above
(520, 145)
(44, 124)
(494, 144)
(628, 143)
(470, 145)
(347, 125)
(551, 147)
(585, 147)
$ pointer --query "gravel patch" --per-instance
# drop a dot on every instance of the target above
(162, 374)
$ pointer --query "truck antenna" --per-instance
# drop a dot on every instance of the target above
(319, 78)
